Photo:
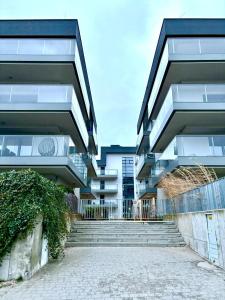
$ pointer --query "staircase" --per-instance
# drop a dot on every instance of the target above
(124, 234)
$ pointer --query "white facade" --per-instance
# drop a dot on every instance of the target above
(113, 199)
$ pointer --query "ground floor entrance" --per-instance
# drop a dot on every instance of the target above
(118, 209)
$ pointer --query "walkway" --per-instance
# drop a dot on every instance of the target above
(123, 273)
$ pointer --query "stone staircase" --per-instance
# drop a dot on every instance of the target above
(124, 234)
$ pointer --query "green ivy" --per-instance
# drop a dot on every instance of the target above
(24, 195)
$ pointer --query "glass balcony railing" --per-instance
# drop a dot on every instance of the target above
(106, 187)
(196, 46)
(185, 49)
(37, 46)
(140, 135)
(39, 49)
(42, 95)
(207, 145)
(186, 93)
(42, 147)
(95, 136)
(141, 161)
(158, 168)
(146, 187)
(107, 172)
(93, 161)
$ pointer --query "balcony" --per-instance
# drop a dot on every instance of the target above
(189, 109)
(48, 155)
(107, 174)
(146, 190)
(142, 140)
(207, 150)
(86, 193)
(43, 109)
(105, 189)
(144, 164)
(187, 60)
(44, 60)
(91, 164)
(93, 141)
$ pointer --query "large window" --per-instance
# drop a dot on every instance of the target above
(128, 177)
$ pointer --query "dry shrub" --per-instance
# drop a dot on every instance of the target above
(185, 179)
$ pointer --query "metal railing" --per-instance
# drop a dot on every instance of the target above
(207, 197)
(146, 210)
(111, 209)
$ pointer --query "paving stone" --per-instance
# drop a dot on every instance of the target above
(123, 273)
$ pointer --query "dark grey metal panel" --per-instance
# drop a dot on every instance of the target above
(114, 149)
(38, 28)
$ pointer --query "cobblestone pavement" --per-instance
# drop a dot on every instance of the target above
(123, 273)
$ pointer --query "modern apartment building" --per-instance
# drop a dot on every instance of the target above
(47, 118)
(114, 190)
(182, 118)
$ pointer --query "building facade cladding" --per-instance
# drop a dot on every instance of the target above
(45, 51)
(185, 97)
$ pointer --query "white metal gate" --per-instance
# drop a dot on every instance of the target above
(109, 210)
(118, 209)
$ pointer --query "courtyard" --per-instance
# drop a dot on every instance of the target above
(123, 273)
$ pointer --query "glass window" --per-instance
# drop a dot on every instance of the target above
(128, 177)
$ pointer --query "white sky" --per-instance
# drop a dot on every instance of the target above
(119, 39)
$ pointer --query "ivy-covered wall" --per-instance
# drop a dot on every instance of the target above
(25, 195)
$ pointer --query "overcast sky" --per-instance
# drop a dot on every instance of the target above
(119, 39)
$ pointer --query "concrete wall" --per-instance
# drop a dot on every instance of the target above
(27, 256)
(195, 231)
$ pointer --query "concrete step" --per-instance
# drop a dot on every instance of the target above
(124, 244)
(124, 234)
(119, 234)
(124, 227)
(150, 231)
(122, 222)
(127, 240)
